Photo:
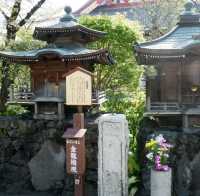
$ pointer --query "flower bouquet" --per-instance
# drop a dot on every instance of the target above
(158, 153)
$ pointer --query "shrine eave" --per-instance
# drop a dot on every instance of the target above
(43, 33)
(27, 57)
(183, 40)
(149, 59)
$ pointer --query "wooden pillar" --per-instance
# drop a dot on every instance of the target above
(79, 185)
(148, 92)
(179, 77)
(60, 110)
(163, 83)
(78, 120)
(185, 123)
(12, 97)
(78, 123)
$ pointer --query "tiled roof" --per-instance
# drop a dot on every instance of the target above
(67, 26)
(181, 41)
(71, 53)
(177, 40)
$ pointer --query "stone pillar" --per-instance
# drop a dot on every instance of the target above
(113, 146)
(161, 183)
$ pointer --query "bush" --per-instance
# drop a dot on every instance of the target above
(121, 35)
(14, 110)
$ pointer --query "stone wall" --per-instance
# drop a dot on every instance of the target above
(32, 150)
(185, 159)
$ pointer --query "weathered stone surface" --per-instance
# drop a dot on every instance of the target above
(113, 155)
(47, 167)
(161, 183)
(51, 124)
(22, 143)
(51, 132)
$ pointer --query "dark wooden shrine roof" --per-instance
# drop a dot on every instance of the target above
(68, 26)
(67, 47)
(178, 43)
(68, 54)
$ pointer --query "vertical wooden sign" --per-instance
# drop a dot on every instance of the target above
(79, 87)
(75, 151)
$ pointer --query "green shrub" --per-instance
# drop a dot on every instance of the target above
(14, 110)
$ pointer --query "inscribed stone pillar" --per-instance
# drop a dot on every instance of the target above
(113, 146)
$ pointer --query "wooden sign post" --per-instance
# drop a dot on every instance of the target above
(78, 93)
(75, 154)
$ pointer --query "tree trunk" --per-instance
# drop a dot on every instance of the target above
(5, 80)
(12, 28)
(5, 84)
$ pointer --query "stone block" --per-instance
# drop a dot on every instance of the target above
(161, 182)
(113, 145)
(47, 167)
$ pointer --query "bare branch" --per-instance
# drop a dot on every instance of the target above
(4, 14)
(15, 10)
(196, 3)
(31, 12)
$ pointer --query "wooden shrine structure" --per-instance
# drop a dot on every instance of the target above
(173, 85)
(65, 51)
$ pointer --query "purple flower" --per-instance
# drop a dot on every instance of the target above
(158, 167)
(165, 168)
(160, 139)
(160, 154)
(157, 159)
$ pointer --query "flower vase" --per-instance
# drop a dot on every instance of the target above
(161, 182)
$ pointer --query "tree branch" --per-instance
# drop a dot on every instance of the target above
(15, 10)
(31, 12)
(4, 14)
(196, 4)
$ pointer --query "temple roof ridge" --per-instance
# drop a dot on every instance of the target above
(178, 43)
(68, 26)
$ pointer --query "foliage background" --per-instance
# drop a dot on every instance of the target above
(121, 80)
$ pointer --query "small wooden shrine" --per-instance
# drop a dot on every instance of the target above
(65, 51)
(173, 85)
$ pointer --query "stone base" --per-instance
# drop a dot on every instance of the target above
(22, 140)
(161, 183)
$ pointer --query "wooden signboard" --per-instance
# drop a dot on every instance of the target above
(79, 87)
(75, 151)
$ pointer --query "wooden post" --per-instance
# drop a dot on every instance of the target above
(79, 185)
(12, 97)
(78, 93)
(78, 123)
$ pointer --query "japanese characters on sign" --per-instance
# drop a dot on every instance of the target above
(73, 159)
(79, 87)
(75, 156)
(75, 151)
